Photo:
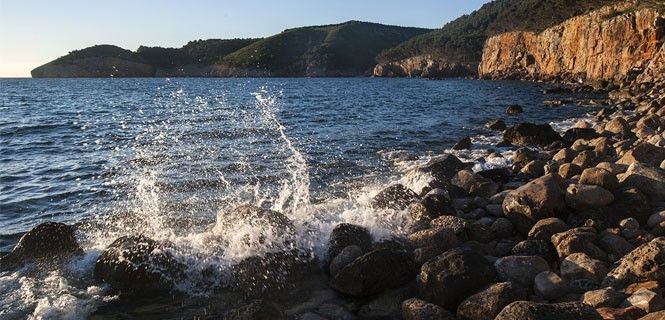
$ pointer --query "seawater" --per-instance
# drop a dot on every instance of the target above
(167, 158)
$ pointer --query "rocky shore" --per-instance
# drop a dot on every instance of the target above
(575, 229)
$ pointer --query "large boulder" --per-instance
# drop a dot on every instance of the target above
(375, 272)
(581, 266)
(396, 197)
(256, 227)
(346, 234)
(539, 199)
(648, 179)
(546, 228)
(49, 242)
(644, 153)
(475, 184)
(486, 304)
(272, 272)
(528, 310)
(582, 239)
(442, 168)
(453, 276)
(138, 263)
(582, 196)
(520, 269)
(646, 263)
(531, 134)
(599, 177)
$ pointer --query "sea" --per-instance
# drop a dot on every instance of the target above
(168, 157)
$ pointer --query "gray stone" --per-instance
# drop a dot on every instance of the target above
(520, 269)
(581, 266)
(344, 258)
(549, 286)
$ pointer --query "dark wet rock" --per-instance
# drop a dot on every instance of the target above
(335, 311)
(416, 309)
(49, 242)
(500, 175)
(396, 196)
(479, 232)
(645, 263)
(375, 272)
(541, 248)
(502, 228)
(272, 272)
(463, 144)
(433, 204)
(257, 310)
(475, 184)
(539, 199)
(527, 310)
(346, 234)
(644, 153)
(629, 202)
(443, 168)
(649, 180)
(599, 177)
(263, 223)
(546, 228)
(573, 134)
(514, 109)
(344, 258)
(453, 276)
(138, 263)
(457, 224)
(550, 286)
(486, 304)
(615, 246)
(497, 125)
(388, 304)
(604, 298)
(443, 238)
(540, 135)
(576, 240)
(520, 269)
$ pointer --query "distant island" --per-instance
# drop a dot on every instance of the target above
(348, 49)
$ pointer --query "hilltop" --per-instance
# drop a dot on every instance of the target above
(346, 49)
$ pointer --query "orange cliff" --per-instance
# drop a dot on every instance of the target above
(613, 43)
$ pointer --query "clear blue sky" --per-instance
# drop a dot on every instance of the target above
(33, 32)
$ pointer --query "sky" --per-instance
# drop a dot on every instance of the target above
(34, 32)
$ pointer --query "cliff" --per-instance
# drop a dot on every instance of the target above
(611, 43)
(456, 48)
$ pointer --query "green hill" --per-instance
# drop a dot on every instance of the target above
(462, 40)
(343, 49)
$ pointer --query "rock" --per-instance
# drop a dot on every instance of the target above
(475, 184)
(531, 134)
(615, 246)
(613, 168)
(573, 134)
(396, 197)
(137, 263)
(645, 263)
(569, 170)
(500, 175)
(257, 227)
(532, 247)
(578, 240)
(386, 305)
(581, 196)
(527, 310)
(375, 272)
(628, 202)
(479, 232)
(443, 168)
(344, 258)
(49, 242)
(534, 169)
(457, 224)
(617, 125)
(463, 144)
(433, 204)
(416, 309)
(654, 316)
(335, 311)
(274, 271)
(581, 266)
(629, 224)
(497, 125)
(647, 179)
(603, 298)
(502, 228)
(344, 235)
(546, 228)
(564, 155)
(443, 238)
(514, 109)
(486, 304)
(539, 199)
(549, 286)
(599, 177)
(586, 159)
(630, 313)
(644, 153)
(656, 219)
(646, 300)
(258, 310)
(520, 269)
(453, 276)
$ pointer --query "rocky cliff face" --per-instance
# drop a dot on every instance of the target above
(424, 66)
(607, 44)
(94, 67)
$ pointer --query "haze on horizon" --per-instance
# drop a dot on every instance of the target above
(35, 32)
